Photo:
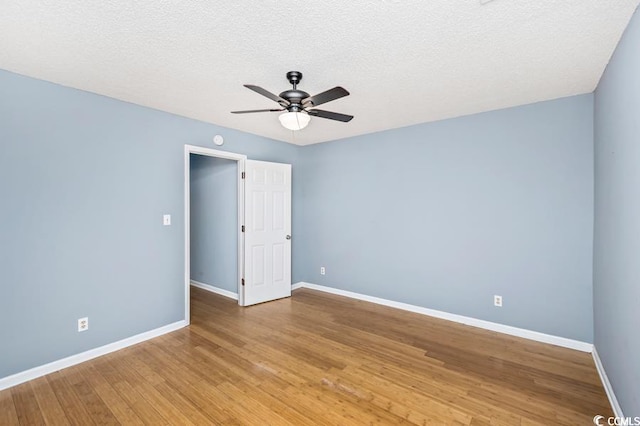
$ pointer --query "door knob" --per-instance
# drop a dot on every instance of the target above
(288, 237)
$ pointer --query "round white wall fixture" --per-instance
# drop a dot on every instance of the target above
(218, 140)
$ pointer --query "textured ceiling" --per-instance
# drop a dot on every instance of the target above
(404, 62)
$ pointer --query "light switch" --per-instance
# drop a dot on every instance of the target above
(166, 220)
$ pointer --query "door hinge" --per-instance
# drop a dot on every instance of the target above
(243, 281)
(242, 228)
(243, 175)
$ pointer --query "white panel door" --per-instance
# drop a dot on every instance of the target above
(267, 236)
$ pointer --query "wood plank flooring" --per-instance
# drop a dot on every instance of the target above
(317, 359)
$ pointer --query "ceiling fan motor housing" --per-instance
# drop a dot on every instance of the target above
(295, 98)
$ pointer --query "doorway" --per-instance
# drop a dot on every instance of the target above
(221, 158)
(214, 224)
(263, 227)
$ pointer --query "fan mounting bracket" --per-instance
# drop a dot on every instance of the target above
(294, 77)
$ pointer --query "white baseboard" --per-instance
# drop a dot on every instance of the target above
(617, 410)
(34, 373)
(297, 286)
(487, 325)
(217, 290)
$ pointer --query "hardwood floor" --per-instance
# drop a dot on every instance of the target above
(321, 359)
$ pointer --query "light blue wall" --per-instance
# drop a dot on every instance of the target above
(84, 182)
(617, 220)
(214, 222)
(445, 215)
(441, 215)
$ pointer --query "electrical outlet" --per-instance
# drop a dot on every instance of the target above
(83, 324)
(322, 270)
(497, 301)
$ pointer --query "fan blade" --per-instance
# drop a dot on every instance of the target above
(256, 110)
(330, 115)
(268, 94)
(327, 96)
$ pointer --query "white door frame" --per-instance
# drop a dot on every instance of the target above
(240, 158)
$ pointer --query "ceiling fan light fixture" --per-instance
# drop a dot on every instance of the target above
(294, 120)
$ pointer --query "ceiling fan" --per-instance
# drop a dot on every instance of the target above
(296, 103)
